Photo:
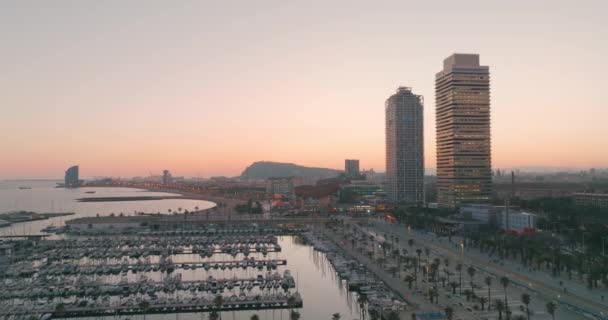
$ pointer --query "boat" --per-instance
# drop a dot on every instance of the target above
(24, 188)
(90, 191)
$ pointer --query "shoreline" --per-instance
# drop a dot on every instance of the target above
(218, 202)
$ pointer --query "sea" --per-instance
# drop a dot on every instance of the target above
(43, 197)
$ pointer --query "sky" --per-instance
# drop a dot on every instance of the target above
(204, 88)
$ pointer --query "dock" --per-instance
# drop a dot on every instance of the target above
(199, 305)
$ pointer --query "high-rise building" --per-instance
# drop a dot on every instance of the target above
(167, 178)
(71, 177)
(405, 147)
(351, 168)
(464, 168)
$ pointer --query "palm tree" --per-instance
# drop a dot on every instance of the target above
(254, 317)
(409, 279)
(218, 301)
(449, 312)
(59, 310)
(525, 298)
(392, 315)
(214, 315)
(294, 315)
(488, 282)
(453, 285)
(374, 314)
(471, 272)
(418, 252)
(144, 305)
(468, 293)
(551, 307)
(336, 316)
(499, 307)
(459, 269)
(483, 301)
(504, 281)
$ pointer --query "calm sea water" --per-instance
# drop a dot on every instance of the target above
(44, 197)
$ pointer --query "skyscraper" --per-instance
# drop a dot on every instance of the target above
(71, 177)
(351, 168)
(464, 169)
(405, 147)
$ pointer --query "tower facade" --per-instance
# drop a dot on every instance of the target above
(405, 147)
(464, 164)
(351, 168)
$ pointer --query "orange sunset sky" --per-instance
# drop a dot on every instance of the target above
(202, 88)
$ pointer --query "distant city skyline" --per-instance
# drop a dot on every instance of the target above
(125, 89)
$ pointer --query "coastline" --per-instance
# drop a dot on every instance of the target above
(227, 203)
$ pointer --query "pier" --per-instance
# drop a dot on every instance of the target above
(256, 302)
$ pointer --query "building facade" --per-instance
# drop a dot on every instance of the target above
(281, 186)
(509, 219)
(351, 168)
(72, 179)
(464, 164)
(596, 200)
(404, 147)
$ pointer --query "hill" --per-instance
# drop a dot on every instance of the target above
(267, 169)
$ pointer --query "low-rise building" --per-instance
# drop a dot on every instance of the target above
(510, 219)
(597, 200)
(359, 190)
(281, 186)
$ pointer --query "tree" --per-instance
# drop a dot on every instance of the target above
(254, 317)
(468, 293)
(218, 301)
(409, 279)
(488, 282)
(499, 307)
(144, 305)
(336, 316)
(392, 315)
(471, 272)
(525, 298)
(504, 281)
(59, 310)
(214, 315)
(294, 315)
(551, 307)
(459, 269)
(449, 312)
(483, 301)
(374, 314)
(453, 285)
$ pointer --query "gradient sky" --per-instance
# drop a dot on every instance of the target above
(205, 88)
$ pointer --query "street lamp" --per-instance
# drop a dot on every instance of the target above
(462, 251)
